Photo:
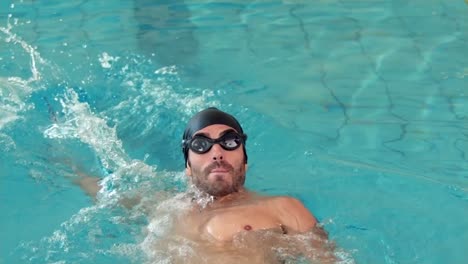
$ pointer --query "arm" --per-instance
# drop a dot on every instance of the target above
(90, 185)
(295, 215)
(302, 222)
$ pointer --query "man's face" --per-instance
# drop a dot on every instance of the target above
(217, 172)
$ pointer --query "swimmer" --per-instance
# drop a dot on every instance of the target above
(214, 149)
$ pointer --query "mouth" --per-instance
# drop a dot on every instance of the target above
(219, 170)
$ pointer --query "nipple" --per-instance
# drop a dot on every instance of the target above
(247, 227)
(283, 229)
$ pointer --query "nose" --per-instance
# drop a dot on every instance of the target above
(217, 152)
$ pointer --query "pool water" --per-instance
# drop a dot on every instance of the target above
(358, 108)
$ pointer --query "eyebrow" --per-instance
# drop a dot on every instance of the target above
(220, 135)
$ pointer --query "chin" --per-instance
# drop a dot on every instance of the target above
(221, 192)
(218, 177)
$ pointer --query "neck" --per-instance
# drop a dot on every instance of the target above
(230, 197)
(204, 200)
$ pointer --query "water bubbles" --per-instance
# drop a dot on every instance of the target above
(6, 142)
(106, 60)
(207, 93)
(169, 70)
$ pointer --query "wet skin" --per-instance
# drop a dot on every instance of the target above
(237, 226)
(235, 211)
(246, 228)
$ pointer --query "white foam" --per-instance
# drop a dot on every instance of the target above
(60, 239)
(159, 93)
(126, 250)
(6, 143)
(168, 70)
(106, 60)
(163, 215)
(13, 94)
(6, 117)
(33, 54)
(81, 123)
(14, 91)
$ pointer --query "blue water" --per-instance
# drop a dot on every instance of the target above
(358, 108)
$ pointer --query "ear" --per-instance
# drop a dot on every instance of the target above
(246, 167)
(188, 170)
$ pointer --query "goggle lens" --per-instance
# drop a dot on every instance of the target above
(229, 141)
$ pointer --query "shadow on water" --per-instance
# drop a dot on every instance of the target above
(165, 30)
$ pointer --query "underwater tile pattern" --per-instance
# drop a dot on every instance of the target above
(365, 78)
(362, 104)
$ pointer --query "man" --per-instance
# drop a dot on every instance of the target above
(216, 162)
(236, 225)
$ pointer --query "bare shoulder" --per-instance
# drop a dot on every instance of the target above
(294, 213)
(290, 203)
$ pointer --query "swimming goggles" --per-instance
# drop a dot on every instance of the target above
(201, 144)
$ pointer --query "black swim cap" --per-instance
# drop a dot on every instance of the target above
(208, 117)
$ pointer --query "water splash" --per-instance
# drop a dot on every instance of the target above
(81, 123)
(162, 92)
(7, 144)
(106, 60)
(155, 103)
(104, 233)
(34, 55)
(14, 90)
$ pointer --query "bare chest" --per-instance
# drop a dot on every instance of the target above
(224, 224)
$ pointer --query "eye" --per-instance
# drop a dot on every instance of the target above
(199, 144)
(231, 141)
